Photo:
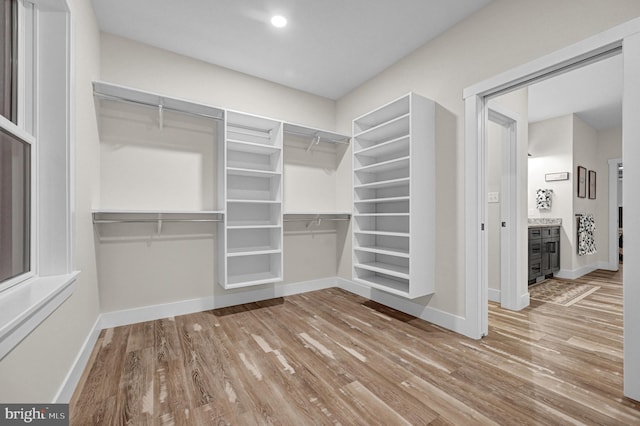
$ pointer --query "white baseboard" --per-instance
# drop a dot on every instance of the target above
(183, 307)
(64, 394)
(435, 316)
(524, 301)
(575, 273)
(494, 295)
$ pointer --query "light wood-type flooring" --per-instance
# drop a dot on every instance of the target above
(330, 357)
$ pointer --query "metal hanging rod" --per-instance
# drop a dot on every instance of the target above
(160, 106)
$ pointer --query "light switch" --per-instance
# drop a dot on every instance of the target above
(493, 197)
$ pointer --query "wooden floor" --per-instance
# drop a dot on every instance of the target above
(330, 357)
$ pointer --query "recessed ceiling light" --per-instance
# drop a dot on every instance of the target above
(278, 21)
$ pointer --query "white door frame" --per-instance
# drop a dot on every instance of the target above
(510, 247)
(625, 38)
(613, 214)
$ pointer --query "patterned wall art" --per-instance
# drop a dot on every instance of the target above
(543, 199)
(586, 231)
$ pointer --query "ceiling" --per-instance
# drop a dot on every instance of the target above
(593, 93)
(328, 48)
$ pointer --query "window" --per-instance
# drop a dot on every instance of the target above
(15, 212)
(15, 160)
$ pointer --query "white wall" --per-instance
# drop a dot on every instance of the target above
(498, 37)
(35, 369)
(562, 144)
(609, 147)
(585, 146)
(551, 149)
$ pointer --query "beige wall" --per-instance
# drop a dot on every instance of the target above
(36, 368)
(145, 67)
(585, 146)
(551, 148)
(500, 36)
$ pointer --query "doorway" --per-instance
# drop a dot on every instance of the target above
(476, 97)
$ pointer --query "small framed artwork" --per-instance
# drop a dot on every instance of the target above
(592, 185)
(582, 182)
(550, 177)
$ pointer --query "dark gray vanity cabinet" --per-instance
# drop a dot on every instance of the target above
(544, 251)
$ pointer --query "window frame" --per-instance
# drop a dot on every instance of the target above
(46, 108)
(23, 128)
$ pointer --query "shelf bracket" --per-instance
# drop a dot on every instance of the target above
(159, 227)
(161, 115)
(314, 141)
(316, 221)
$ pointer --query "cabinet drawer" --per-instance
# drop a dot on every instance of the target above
(535, 270)
(550, 232)
(535, 249)
(535, 233)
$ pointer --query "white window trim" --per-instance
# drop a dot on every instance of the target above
(30, 298)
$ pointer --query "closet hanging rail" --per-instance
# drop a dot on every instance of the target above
(159, 106)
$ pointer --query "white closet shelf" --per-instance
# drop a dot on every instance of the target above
(384, 233)
(399, 287)
(313, 215)
(120, 93)
(141, 216)
(383, 200)
(316, 135)
(384, 184)
(386, 148)
(237, 281)
(384, 132)
(384, 250)
(253, 226)
(385, 166)
(252, 147)
(252, 251)
(385, 268)
(381, 215)
(383, 114)
(250, 201)
(237, 171)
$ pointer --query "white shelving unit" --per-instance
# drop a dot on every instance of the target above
(250, 242)
(394, 187)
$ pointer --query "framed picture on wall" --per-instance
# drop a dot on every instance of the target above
(592, 185)
(582, 182)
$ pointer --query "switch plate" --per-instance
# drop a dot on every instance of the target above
(493, 197)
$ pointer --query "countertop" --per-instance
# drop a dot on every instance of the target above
(539, 222)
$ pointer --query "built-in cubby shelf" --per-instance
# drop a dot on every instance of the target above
(250, 246)
(393, 197)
